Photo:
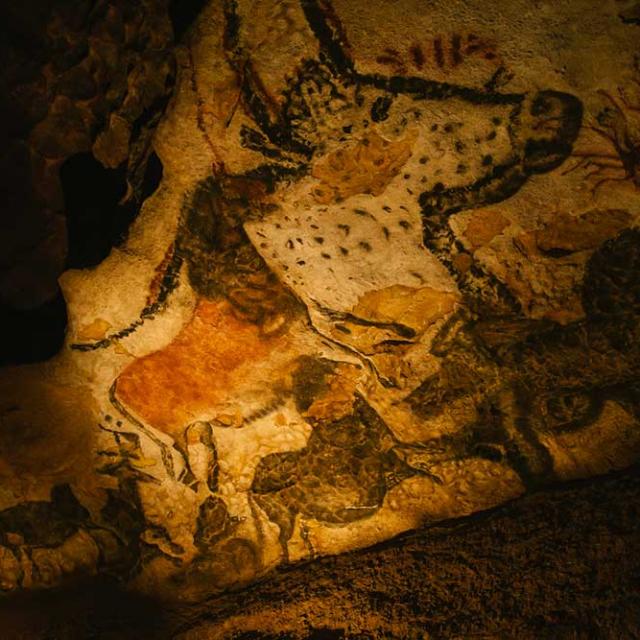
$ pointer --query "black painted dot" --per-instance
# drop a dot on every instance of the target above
(497, 121)
(344, 251)
(492, 135)
(460, 146)
(487, 160)
(423, 160)
(365, 245)
(319, 239)
(407, 176)
(326, 256)
(405, 225)
(434, 127)
(461, 168)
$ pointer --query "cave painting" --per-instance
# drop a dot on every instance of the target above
(333, 344)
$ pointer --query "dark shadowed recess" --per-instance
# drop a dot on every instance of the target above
(97, 220)
(32, 335)
(182, 14)
(562, 563)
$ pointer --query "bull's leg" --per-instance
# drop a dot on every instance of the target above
(279, 513)
(201, 456)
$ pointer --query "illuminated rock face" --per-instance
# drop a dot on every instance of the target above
(379, 286)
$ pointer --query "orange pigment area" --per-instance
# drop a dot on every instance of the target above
(200, 368)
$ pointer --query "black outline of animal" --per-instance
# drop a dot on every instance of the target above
(280, 138)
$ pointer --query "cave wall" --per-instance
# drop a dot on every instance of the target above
(83, 86)
(559, 563)
(382, 270)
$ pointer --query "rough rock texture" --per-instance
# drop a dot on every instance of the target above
(379, 286)
(557, 564)
(82, 80)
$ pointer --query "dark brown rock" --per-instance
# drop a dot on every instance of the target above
(62, 133)
(557, 564)
(77, 83)
(66, 67)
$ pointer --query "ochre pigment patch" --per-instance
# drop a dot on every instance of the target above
(386, 279)
(366, 167)
(199, 369)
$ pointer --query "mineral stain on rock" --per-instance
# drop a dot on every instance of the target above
(355, 287)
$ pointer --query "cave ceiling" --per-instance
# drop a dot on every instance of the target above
(389, 276)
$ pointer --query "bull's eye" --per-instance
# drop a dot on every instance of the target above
(541, 106)
(572, 410)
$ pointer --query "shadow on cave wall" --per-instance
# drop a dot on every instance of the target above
(96, 218)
